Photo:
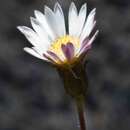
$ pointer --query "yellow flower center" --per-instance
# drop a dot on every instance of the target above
(56, 45)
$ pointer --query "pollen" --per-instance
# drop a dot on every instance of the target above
(56, 45)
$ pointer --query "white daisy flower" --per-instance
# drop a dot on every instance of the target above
(49, 37)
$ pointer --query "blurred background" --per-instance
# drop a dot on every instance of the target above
(32, 96)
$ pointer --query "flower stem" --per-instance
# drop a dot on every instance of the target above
(81, 113)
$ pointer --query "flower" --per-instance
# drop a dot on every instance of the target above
(50, 39)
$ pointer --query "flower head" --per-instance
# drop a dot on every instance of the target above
(49, 37)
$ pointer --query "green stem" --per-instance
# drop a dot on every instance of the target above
(81, 113)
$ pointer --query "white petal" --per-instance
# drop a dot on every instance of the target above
(81, 19)
(93, 38)
(32, 52)
(60, 18)
(89, 43)
(42, 34)
(88, 25)
(41, 18)
(72, 19)
(40, 52)
(51, 19)
(31, 36)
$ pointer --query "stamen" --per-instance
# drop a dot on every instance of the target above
(56, 46)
